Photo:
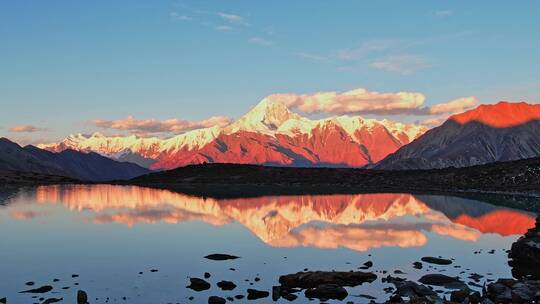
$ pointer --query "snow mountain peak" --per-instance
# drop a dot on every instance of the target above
(269, 133)
(265, 117)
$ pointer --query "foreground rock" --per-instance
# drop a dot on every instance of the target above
(411, 290)
(82, 297)
(442, 280)
(226, 285)
(216, 300)
(52, 300)
(438, 261)
(322, 285)
(198, 284)
(326, 292)
(42, 289)
(254, 294)
(221, 257)
(514, 291)
(312, 279)
(284, 292)
(525, 254)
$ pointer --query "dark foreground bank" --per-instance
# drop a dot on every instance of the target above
(515, 176)
(520, 177)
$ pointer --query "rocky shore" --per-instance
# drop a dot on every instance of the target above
(523, 288)
(525, 254)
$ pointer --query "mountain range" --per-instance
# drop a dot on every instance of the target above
(68, 163)
(269, 134)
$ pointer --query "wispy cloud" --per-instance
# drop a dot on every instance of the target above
(26, 129)
(442, 13)
(233, 18)
(366, 49)
(176, 16)
(260, 41)
(404, 64)
(454, 106)
(311, 56)
(433, 122)
(224, 21)
(224, 28)
(349, 69)
(440, 112)
(148, 126)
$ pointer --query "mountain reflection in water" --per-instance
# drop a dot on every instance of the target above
(358, 222)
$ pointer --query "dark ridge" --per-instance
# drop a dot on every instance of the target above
(233, 180)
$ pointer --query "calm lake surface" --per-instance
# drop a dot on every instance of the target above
(108, 234)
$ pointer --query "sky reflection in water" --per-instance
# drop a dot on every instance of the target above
(107, 234)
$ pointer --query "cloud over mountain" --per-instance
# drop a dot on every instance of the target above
(364, 101)
(26, 129)
(146, 126)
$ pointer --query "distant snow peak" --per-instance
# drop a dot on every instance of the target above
(265, 117)
(267, 134)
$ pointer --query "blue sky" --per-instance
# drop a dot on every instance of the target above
(65, 64)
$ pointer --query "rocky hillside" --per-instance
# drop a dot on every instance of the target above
(68, 163)
(501, 132)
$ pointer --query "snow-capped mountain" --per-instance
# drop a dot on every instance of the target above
(268, 134)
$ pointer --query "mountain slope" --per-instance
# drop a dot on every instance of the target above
(69, 163)
(501, 132)
(268, 134)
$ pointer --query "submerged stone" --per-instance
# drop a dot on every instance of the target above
(327, 291)
(52, 300)
(216, 300)
(254, 294)
(82, 297)
(315, 278)
(198, 284)
(221, 257)
(226, 285)
(443, 280)
(42, 289)
(438, 261)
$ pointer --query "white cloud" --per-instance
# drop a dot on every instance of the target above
(26, 129)
(223, 28)
(404, 64)
(176, 16)
(366, 49)
(454, 106)
(443, 13)
(147, 126)
(356, 101)
(260, 41)
(434, 121)
(311, 56)
(364, 101)
(233, 19)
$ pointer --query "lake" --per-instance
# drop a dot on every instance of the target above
(100, 238)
